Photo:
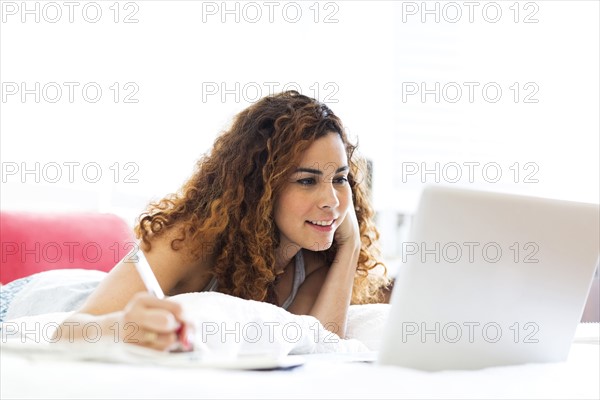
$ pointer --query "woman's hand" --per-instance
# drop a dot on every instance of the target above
(154, 323)
(348, 233)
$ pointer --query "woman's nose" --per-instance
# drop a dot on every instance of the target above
(328, 197)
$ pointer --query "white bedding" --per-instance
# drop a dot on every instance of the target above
(56, 377)
(226, 326)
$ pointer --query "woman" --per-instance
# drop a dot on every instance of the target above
(276, 212)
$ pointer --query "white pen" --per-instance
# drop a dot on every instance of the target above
(153, 287)
(147, 275)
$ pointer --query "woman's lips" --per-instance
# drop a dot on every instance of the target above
(321, 228)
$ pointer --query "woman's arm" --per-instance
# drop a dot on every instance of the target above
(122, 308)
(327, 292)
(145, 321)
(123, 281)
(332, 302)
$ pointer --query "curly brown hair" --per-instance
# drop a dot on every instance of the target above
(226, 207)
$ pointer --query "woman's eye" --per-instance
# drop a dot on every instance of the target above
(306, 181)
(341, 179)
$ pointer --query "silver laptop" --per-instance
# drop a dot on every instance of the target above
(490, 279)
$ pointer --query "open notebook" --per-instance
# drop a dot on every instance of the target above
(106, 351)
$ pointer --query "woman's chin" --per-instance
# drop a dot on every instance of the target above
(319, 246)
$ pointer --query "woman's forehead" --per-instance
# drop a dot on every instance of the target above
(327, 152)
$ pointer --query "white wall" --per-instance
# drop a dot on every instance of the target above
(361, 62)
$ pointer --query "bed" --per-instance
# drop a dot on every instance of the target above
(102, 371)
(81, 374)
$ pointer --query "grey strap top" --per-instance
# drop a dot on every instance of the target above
(299, 276)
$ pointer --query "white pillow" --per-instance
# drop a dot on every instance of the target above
(366, 323)
(231, 325)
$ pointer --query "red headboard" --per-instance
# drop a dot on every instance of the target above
(35, 242)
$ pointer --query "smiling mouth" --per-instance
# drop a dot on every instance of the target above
(322, 223)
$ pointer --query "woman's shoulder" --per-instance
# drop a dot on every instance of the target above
(196, 272)
(188, 264)
(196, 281)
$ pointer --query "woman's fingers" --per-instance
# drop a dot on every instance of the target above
(159, 320)
(156, 341)
(348, 231)
(155, 321)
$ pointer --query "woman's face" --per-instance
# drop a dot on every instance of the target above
(314, 202)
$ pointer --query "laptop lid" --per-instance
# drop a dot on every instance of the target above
(490, 279)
